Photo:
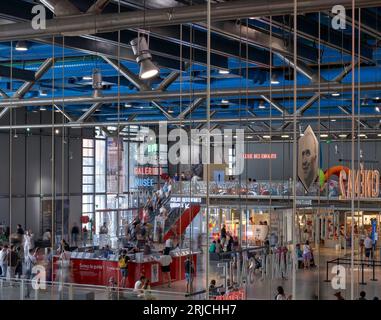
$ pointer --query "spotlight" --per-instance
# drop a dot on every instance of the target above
(224, 101)
(377, 108)
(21, 46)
(144, 58)
(43, 93)
(261, 105)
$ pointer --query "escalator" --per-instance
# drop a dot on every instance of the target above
(178, 219)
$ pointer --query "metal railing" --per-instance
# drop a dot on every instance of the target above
(22, 289)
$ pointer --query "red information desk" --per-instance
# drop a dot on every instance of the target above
(99, 271)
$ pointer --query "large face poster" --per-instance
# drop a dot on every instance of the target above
(308, 150)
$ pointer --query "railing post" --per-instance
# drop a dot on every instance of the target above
(71, 294)
(362, 273)
(22, 289)
(373, 271)
(36, 293)
(326, 276)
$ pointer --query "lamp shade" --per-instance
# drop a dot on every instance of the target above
(148, 69)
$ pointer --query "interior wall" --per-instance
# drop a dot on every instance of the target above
(32, 174)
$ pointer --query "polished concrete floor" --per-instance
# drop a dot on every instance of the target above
(309, 284)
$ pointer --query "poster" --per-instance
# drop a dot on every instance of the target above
(308, 151)
(115, 167)
(260, 232)
(155, 273)
(61, 217)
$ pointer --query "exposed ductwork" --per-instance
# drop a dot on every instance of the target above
(90, 24)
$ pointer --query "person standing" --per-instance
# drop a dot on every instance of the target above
(12, 263)
(74, 234)
(103, 229)
(189, 272)
(123, 267)
(27, 244)
(18, 269)
(165, 261)
(4, 257)
(30, 262)
(84, 235)
(223, 235)
(20, 230)
(368, 245)
(306, 255)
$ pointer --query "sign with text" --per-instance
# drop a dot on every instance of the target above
(359, 183)
(260, 156)
(183, 202)
(148, 171)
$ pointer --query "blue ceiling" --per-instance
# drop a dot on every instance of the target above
(74, 64)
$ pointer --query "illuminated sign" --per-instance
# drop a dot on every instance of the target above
(147, 182)
(366, 184)
(148, 171)
(184, 202)
(260, 156)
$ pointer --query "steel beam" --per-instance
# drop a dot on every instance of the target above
(231, 121)
(64, 113)
(16, 73)
(91, 24)
(325, 88)
(89, 112)
(98, 6)
(26, 86)
(61, 7)
(195, 103)
(346, 111)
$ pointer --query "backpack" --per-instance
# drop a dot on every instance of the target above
(122, 263)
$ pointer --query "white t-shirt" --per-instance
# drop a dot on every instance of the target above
(368, 243)
(281, 297)
(165, 260)
(306, 249)
(169, 243)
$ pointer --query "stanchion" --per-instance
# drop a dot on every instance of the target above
(326, 276)
(362, 273)
(373, 271)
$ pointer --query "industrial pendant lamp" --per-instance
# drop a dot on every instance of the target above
(144, 58)
(21, 46)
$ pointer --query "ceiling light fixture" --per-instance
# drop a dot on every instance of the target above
(127, 105)
(42, 109)
(362, 135)
(274, 79)
(266, 137)
(342, 135)
(379, 135)
(377, 108)
(261, 105)
(250, 137)
(43, 93)
(21, 46)
(323, 135)
(335, 94)
(223, 71)
(224, 101)
(144, 58)
(285, 136)
(87, 78)
(333, 120)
